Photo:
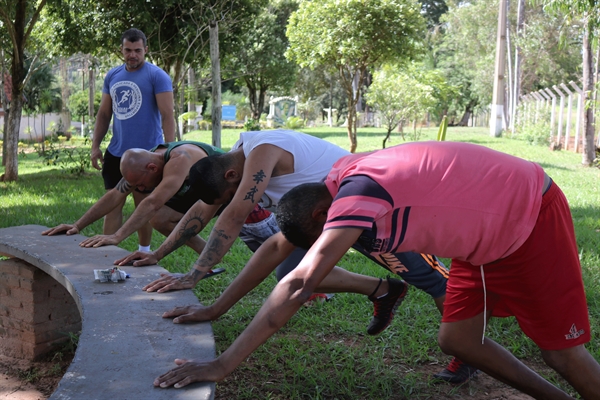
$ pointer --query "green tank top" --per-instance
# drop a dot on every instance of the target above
(209, 149)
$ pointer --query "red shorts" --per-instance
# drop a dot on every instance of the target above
(540, 283)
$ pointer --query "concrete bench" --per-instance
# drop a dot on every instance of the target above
(124, 343)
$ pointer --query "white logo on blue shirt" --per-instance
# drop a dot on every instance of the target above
(126, 99)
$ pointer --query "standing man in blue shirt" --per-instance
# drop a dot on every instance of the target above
(138, 97)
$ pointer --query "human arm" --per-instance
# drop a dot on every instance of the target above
(100, 128)
(172, 179)
(258, 167)
(268, 256)
(107, 203)
(285, 300)
(164, 102)
(192, 223)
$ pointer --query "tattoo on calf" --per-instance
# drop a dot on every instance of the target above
(123, 186)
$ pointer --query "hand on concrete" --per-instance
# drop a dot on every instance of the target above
(100, 240)
(195, 313)
(168, 282)
(191, 371)
(138, 259)
(95, 157)
(62, 228)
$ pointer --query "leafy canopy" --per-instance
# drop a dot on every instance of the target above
(354, 32)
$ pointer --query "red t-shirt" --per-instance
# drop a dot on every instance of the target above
(451, 199)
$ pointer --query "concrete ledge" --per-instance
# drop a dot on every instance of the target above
(124, 342)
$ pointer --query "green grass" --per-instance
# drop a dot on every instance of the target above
(324, 351)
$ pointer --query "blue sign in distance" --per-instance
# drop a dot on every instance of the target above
(228, 113)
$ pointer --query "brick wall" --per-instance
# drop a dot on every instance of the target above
(36, 312)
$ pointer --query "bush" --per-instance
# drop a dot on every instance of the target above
(252, 125)
(293, 123)
(536, 132)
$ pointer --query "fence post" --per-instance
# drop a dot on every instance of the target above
(538, 105)
(569, 112)
(579, 113)
(561, 109)
(552, 119)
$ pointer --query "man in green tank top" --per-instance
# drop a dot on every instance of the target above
(161, 175)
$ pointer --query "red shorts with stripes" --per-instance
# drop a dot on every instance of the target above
(540, 283)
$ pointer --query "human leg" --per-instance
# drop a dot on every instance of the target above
(113, 220)
(463, 339)
(578, 367)
(111, 174)
(145, 232)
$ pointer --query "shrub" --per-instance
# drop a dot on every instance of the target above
(252, 125)
(293, 123)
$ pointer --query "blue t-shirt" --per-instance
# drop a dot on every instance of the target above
(136, 118)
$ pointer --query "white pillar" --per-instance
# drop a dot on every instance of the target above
(561, 109)
(569, 112)
(579, 113)
(497, 106)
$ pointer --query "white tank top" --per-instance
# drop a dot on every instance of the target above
(313, 159)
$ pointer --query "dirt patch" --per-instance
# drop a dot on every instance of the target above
(22, 380)
(32, 380)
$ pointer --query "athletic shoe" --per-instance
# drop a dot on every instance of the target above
(456, 372)
(317, 297)
(386, 306)
(213, 272)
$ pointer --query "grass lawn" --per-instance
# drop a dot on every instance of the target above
(324, 351)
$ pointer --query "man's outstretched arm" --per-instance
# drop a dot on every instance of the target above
(170, 183)
(258, 168)
(268, 256)
(107, 203)
(190, 225)
(287, 297)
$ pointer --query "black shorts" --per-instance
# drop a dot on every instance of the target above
(111, 170)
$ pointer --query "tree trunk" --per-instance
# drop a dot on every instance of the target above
(216, 84)
(92, 87)
(252, 99)
(16, 102)
(4, 102)
(588, 85)
(262, 94)
(177, 101)
(12, 136)
(464, 121)
(192, 89)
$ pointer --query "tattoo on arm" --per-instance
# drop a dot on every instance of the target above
(123, 186)
(258, 178)
(250, 194)
(195, 275)
(192, 226)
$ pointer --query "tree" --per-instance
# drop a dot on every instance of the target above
(177, 31)
(399, 96)
(323, 86)
(18, 17)
(465, 53)
(586, 12)
(432, 10)
(259, 55)
(351, 37)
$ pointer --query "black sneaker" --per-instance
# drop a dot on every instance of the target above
(386, 306)
(456, 372)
